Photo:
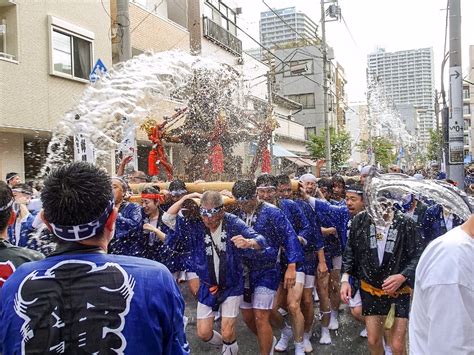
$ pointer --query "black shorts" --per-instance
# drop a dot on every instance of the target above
(380, 306)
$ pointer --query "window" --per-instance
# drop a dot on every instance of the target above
(465, 93)
(8, 31)
(298, 67)
(307, 100)
(71, 50)
(466, 109)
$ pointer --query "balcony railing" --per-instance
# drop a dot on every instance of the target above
(222, 37)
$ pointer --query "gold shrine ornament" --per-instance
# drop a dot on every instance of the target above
(148, 125)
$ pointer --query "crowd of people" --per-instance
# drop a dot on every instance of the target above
(107, 271)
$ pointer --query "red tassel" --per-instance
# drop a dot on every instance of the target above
(266, 162)
(217, 159)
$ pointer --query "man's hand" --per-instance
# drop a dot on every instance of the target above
(290, 276)
(192, 195)
(227, 193)
(320, 163)
(393, 283)
(346, 292)
(148, 227)
(244, 243)
(322, 268)
(302, 241)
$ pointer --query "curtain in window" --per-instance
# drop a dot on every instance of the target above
(82, 58)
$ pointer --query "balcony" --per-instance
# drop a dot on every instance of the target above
(222, 37)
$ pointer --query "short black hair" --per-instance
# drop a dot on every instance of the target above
(6, 196)
(282, 180)
(177, 185)
(244, 189)
(338, 179)
(326, 183)
(76, 193)
(266, 180)
(10, 176)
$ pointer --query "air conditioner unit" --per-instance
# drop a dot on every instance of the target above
(3, 29)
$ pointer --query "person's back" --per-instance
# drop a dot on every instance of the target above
(91, 302)
(442, 314)
(81, 300)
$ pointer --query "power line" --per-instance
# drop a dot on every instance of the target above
(149, 14)
(348, 30)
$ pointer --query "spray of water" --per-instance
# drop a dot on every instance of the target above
(134, 89)
(394, 187)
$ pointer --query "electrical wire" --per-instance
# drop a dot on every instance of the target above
(349, 31)
(149, 14)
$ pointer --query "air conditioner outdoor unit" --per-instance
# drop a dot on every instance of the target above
(3, 29)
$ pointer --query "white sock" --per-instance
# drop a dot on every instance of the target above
(334, 314)
(230, 349)
(216, 338)
(299, 348)
(307, 335)
(324, 330)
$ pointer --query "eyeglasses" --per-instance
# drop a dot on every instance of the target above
(210, 212)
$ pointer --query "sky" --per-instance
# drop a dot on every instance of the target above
(391, 24)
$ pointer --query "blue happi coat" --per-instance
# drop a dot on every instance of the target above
(315, 241)
(434, 225)
(26, 227)
(160, 251)
(332, 216)
(92, 303)
(270, 222)
(230, 281)
(128, 239)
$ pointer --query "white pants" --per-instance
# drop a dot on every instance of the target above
(262, 298)
(229, 308)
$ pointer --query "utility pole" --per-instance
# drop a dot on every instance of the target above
(194, 26)
(325, 89)
(456, 120)
(123, 22)
(270, 79)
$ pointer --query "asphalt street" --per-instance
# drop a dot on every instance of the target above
(346, 340)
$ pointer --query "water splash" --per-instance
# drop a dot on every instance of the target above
(135, 88)
(393, 187)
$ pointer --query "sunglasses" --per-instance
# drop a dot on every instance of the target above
(210, 212)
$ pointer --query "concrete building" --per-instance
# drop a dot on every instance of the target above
(407, 77)
(410, 116)
(275, 30)
(357, 124)
(47, 50)
(300, 79)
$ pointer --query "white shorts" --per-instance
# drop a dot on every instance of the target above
(262, 298)
(229, 308)
(300, 277)
(355, 301)
(191, 275)
(337, 262)
(309, 281)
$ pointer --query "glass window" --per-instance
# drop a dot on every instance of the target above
(71, 55)
(62, 61)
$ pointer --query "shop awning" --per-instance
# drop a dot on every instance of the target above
(280, 152)
(301, 161)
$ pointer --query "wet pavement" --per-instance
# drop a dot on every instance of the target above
(344, 341)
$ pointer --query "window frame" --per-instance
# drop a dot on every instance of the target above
(63, 27)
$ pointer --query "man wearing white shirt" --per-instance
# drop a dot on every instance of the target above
(442, 314)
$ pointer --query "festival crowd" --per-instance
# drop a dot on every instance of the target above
(102, 274)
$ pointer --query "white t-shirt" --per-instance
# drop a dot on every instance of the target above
(382, 242)
(442, 313)
(216, 237)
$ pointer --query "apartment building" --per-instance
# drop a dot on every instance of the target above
(407, 77)
(47, 51)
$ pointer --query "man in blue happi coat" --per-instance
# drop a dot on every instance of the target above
(128, 238)
(79, 299)
(438, 220)
(312, 240)
(289, 292)
(217, 241)
(262, 275)
(24, 222)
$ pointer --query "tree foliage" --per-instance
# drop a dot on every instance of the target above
(383, 150)
(340, 146)
(434, 144)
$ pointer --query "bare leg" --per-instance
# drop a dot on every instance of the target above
(264, 330)
(374, 326)
(398, 336)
